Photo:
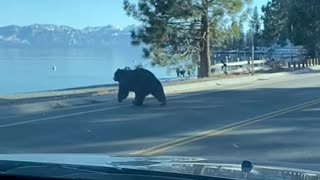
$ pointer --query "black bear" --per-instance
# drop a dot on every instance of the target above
(140, 81)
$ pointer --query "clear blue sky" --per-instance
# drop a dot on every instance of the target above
(74, 13)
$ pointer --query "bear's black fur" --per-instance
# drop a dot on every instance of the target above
(140, 81)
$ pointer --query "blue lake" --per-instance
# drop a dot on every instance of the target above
(29, 70)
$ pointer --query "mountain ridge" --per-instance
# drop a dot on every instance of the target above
(50, 35)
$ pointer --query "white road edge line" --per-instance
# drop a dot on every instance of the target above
(62, 116)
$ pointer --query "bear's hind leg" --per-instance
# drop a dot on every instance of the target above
(160, 96)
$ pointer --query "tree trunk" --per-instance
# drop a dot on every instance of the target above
(313, 49)
(205, 62)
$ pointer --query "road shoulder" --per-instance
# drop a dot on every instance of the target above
(55, 100)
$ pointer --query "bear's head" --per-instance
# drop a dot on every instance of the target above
(120, 75)
(117, 75)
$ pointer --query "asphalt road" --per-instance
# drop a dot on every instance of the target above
(268, 121)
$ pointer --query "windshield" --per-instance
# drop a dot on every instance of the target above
(225, 81)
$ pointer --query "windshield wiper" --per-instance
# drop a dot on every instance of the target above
(115, 166)
(22, 167)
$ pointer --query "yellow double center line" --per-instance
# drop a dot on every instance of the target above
(182, 141)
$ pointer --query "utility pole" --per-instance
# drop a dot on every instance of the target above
(252, 46)
(291, 46)
(252, 55)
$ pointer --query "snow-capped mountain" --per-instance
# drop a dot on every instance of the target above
(48, 35)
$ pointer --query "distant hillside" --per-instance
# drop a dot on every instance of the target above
(47, 35)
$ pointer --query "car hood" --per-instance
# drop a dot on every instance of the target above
(175, 164)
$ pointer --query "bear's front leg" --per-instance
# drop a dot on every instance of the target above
(139, 98)
(122, 94)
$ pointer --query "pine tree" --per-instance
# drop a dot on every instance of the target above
(303, 24)
(175, 30)
(297, 20)
(275, 21)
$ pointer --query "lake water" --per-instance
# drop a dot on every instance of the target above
(29, 70)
